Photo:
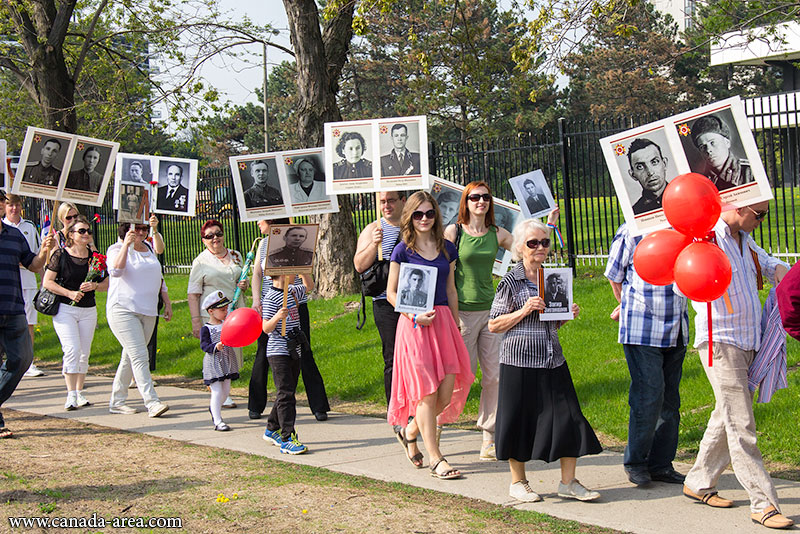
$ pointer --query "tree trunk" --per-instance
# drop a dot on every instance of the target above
(56, 93)
(319, 61)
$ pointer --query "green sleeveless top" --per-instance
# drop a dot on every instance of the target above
(474, 270)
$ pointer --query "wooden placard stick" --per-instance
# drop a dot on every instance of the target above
(540, 274)
(286, 280)
(728, 305)
(53, 219)
(378, 220)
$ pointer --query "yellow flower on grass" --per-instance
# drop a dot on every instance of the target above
(305, 511)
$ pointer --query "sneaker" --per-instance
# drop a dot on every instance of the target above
(523, 492)
(123, 409)
(576, 490)
(157, 409)
(488, 453)
(293, 446)
(273, 436)
(72, 402)
(33, 371)
(82, 401)
(229, 403)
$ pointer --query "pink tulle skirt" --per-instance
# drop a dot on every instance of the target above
(422, 358)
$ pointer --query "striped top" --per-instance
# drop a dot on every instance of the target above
(14, 250)
(742, 328)
(391, 236)
(270, 304)
(266, 280)
(768, 370)
(531, 342)
(651, 316)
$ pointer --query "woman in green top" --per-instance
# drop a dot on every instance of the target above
(478, 240)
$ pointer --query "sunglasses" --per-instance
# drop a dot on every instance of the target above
(476, 197)
(759, 214)
(212, 235)
(69, 217)
(141, 228)
(83, 231)
(534, 243)
(418, 215)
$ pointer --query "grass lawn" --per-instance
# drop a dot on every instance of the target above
(352, 367)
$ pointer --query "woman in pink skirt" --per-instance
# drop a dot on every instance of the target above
(432, 373)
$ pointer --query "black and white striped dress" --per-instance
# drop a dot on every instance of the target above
(218, 365)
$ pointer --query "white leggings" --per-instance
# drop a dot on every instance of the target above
(75, 329)
(219, 392)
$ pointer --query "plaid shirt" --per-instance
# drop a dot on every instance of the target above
(14, 250)
(531, 342)
(651, 315)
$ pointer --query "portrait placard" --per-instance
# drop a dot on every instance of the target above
(291, 248)
(4, 167)
(135, 169)
(176, 192)
(403, 145)
(533, 194)
(416, 288)
(260, 192)
(350, 157)
(641, 162)
(42, 168)
(302, 173)
(90, 169)
(718, 143)
(506, 215)
(132, 203)
(448, 196)
(557, 294)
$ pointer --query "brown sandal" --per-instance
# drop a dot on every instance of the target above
(450, 474)
(415, 460)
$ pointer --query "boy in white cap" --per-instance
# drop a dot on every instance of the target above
(220, 365)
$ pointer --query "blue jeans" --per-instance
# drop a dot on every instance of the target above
(655, 403)
(16, 342)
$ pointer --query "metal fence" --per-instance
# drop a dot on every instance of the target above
(569, 156)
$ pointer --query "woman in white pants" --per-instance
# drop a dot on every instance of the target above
(131, 310)
(76, 319)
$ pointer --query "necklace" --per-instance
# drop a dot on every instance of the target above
(220, 256)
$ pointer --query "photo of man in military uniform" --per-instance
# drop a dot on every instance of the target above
(292, 254)
(712, 137)
(414, 294)
(44, 171)
(261, 193)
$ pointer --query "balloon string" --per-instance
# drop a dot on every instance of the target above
(710, 341)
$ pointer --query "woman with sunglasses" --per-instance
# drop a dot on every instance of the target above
(217, 268)
(131, 310)
(538, 414)
(432, 375)
(67, 212)
(76, 319)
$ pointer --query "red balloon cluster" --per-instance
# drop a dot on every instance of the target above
(241, 328)
(700, 269)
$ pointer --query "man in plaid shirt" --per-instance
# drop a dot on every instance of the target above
(653, 331)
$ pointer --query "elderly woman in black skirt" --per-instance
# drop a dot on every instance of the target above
(538, 415)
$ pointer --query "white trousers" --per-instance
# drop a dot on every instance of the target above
(484, 347)
(75, 329)
(133, 331)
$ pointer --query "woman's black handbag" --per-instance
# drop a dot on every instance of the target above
(373, 283)
(46, 302)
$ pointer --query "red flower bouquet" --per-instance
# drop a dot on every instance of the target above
(97, 266)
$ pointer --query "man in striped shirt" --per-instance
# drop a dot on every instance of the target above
(730, 436)
(653, 331)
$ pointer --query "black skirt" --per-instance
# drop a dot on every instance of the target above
(538, 416)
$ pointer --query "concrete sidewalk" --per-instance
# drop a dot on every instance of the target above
(366, 446)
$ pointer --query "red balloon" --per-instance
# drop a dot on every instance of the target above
(241, 328)
(702, 272)
(655, 255)
(692, 204)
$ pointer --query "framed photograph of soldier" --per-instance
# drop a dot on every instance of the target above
(718, 143)
(42, 163)
(290, 249)
(641, 162)
(176, 191)
(90, 168)
(403, 151)
(416, 288)
(533, 194)
(3, 166)
(258, 188)
(448, 196)
(557, 294)
(350, 157)
(506, 215)
(132, 203)
(134, 169)
(304, 173)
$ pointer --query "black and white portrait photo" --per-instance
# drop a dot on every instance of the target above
(416, 288)
(533, 194)
(350, 152)
(131, 203)
(44, 159)
(134, 169)
(506, 216)
(403, 153)
(261, 191)
(557, 294)
(261, 185)
(291, 248)
(177, 184)
(305, 176)
(448, 196)
(91, 164)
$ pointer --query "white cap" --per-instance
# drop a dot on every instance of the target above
(217, 299)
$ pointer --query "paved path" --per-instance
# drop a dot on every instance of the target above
(366, 446)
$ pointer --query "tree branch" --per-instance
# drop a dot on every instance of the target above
(87, 42)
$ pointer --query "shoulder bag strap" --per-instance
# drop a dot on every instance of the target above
(759, 275)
